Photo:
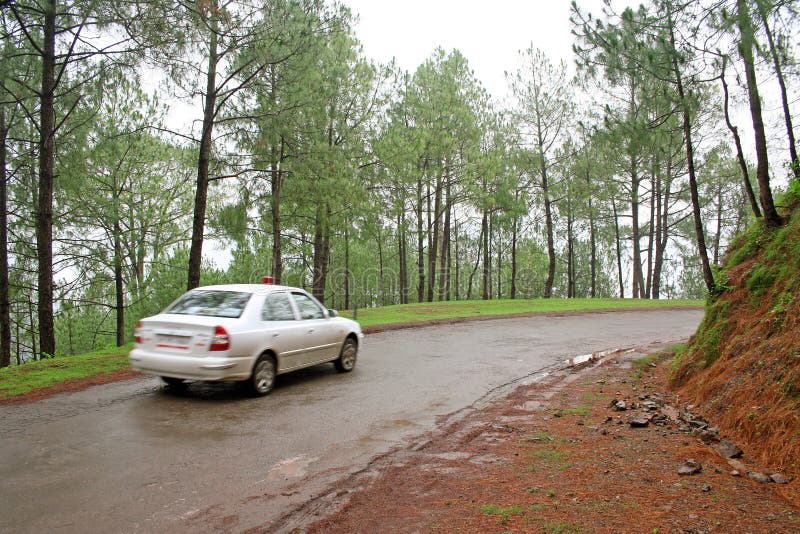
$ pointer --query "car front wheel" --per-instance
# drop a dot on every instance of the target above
(263, 378)
(348, 356)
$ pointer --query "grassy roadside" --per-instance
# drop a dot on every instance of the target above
(17, 380)
(413, 313)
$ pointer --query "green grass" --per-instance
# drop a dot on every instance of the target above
(17, 380)
(505, 512)
(412, 313)
(561, 527)
(582, 410)
(21, 379)
(549, 458)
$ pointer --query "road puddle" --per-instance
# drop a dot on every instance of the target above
(290, 468)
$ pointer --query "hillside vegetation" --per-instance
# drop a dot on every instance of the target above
(742, 367)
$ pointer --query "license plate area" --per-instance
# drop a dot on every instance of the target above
(171, 341)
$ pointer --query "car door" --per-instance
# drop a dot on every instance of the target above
(285, 334)
(322, 340)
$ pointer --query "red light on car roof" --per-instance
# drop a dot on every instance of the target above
(267, 280)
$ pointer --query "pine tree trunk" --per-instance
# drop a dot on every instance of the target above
(548, 220)
(203, 164)
(513, 294)
(44, 219)
(381, 285)
(485, 233)
(433, 249)
(5, 305)
(702, 250)
(651, 229)
(637, 254)
(457, 263)
(661, 204)
(499, 265)
(570, 256)
(748, 188)
(347, 267)
(321, 251)
(402, 257)
(276, 185)
(420, 245)
(619, 250)
(593, 247)
(443, 274)
(762, 161)
(787, 116)
(444, 263)
(119, 285)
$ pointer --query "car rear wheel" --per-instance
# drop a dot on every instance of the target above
(348, 356)
(263, 378)
(174, 382)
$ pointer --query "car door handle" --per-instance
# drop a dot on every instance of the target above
(311, 331)
(275, 335)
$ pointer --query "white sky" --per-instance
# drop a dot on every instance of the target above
(488, 33)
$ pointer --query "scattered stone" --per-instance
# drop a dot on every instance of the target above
(728, 449)
(660, 420)
(650, 405)
(735, 473)
(759, 477)
(690, 467)
(705, 488)
(638, 421)
(619, 406)
(736, 464)
(698, 424)
(708, 437)
(608, 419)
(779, 478)
(604, 432)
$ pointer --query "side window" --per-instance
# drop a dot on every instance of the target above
(308, 308)
(277, 308)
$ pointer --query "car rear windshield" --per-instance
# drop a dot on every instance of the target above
(211, 303)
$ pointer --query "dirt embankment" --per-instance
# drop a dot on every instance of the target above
(742, 367)
(606, 449)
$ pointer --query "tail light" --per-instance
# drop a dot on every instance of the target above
(221, 340)
(137, 336)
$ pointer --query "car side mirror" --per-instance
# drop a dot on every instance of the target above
(332, 313)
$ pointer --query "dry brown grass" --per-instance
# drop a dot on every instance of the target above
(752, 389)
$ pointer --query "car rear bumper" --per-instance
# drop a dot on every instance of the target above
(191, 367)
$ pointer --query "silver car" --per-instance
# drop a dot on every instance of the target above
(245, 332)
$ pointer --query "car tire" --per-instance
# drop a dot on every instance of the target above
(347, 357)
(176, 383)
(263, 378)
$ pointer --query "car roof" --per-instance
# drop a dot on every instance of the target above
(246, 288)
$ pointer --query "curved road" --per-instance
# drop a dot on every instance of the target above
(136, 457)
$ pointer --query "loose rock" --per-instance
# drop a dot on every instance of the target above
(779, 478)
(690, 467)
(638, 421)
(759, 477)
(728, 449)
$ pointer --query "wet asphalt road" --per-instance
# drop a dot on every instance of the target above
(135, 456)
